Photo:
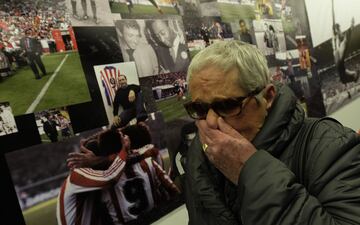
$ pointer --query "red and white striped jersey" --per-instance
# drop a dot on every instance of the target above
(142, 186)
(76, 199)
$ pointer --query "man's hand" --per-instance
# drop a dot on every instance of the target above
(116, 121)
(131, 96)
(226, 148)
(84, 158)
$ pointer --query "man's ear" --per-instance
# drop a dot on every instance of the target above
(269, 95)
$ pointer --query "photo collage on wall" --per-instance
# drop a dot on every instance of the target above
(89, 75)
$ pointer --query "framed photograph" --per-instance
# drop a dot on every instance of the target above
(115, 79)
(54, 125)
(269, 36)
(156, 46)
(141, 9)
(49, 192)
(7, 120)
(89, 13)
(43, 68)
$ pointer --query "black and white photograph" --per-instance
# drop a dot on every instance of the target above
(45, 192)
(337, 51)
(7, 120)
(89, 13)
(54, 125)
(269, 36)
(156, 46)
(40, 48)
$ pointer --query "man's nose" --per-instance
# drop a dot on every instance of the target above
(211, 119)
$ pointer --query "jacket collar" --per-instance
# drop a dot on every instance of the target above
(282, 123)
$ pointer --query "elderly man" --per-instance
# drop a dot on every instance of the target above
(257, 159)
(170, 47)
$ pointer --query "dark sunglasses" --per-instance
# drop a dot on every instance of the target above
(224, 108)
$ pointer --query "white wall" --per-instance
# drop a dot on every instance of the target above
(349, 115)
(177, 217)
(320, 17)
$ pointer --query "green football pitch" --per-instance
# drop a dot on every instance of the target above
(41, 214)
(68, 87)
(122, 8)
(172, 108)
(232, 13)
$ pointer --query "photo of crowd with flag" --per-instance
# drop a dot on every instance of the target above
(47, 23)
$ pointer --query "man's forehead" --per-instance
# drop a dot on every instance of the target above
(214, 80)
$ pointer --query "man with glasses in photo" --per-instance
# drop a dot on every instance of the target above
(256, 158)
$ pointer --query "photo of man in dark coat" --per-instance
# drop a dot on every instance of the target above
(32, 50)
(170, 46)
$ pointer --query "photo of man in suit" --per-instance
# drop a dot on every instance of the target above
(134, 48)
(32, 50)
(169, 45)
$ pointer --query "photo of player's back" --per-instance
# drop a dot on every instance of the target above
(44, 69)
(117, 176)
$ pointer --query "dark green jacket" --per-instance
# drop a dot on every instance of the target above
(301, 174)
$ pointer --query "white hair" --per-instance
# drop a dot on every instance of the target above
(253, 72)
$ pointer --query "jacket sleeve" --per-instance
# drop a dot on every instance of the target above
(203, 196)
(271, 194)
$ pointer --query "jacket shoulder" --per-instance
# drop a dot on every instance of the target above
(332, 152)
